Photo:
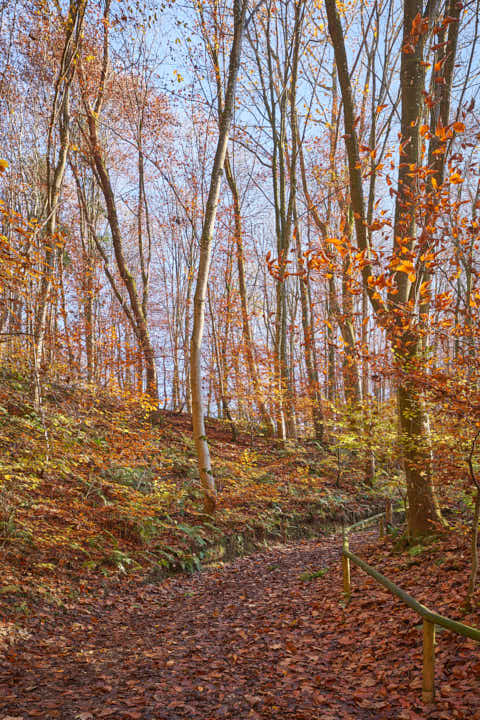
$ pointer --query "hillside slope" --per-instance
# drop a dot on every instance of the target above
(92, 485)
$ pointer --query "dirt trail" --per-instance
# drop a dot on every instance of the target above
(255, 639)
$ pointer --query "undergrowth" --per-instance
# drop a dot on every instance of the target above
(95, 484)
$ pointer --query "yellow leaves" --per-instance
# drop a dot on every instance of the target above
(441, 132)
(459, 127)
(456, 178)
(443, 300)
(3, 165)
(407, 267)
(427, 258)
(380, 281)
(339, 244)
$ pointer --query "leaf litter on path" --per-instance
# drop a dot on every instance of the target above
(238, 642)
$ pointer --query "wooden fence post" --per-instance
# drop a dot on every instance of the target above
(347, 588)
(381, 527)
(428, 685)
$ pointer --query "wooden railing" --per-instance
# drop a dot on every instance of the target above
(430, 618)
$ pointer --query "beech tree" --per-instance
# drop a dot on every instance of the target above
(196, 209)
(56, 163)
(399, 315)
(239, 13)
(136, 309)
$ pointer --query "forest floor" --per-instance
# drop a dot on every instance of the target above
(265, 636)
(95, 485)
(104, 615)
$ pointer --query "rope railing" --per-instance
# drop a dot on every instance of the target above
(430, 618)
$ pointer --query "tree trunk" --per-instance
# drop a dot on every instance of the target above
(415, 442)
(220, 371)
(136, 313)
(474, 570)
(140, 326)
(60, 107)
(351, 373)
(308, 340)
(203, 454)
(423, 509)
(242, 289)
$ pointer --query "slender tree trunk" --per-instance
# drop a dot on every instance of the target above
(367, 404)
(88, 317)
(199, 432)
(242, 289)
(220, 371)
(188, 297)
(63, 306)
(136, 313)
(55, 176)
(440, 117)
(351, 372)
(474, 571)
(140, 322)
(308, 341)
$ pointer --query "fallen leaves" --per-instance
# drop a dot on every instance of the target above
(243, 642)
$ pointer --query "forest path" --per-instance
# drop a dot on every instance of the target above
(250, 640)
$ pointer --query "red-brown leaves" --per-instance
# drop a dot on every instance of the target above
(251, 640)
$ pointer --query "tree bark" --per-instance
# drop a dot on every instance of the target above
(424, 511)
(203, 454)
(242, 289)
(137, 316)
(61, 107)
(308, 341)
